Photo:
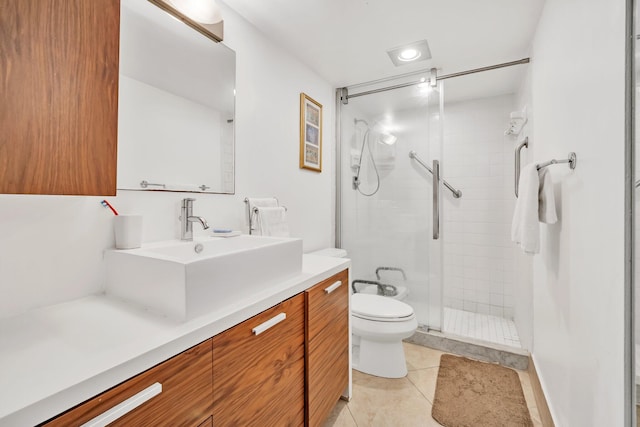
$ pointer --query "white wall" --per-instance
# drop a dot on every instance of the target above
(51, 246)
(578, 105)
(523, 285)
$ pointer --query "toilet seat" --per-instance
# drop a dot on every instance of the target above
(380, 309)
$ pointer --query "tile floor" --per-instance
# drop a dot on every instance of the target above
(483, 327)
(406, 401)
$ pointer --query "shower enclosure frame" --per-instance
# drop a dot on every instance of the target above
(342, 98)
(630, 313)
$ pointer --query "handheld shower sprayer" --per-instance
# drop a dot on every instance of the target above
(382, 137)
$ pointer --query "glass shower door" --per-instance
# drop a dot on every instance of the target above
(387, 198)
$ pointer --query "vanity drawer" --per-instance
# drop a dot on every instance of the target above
(325, 300)
(185, 398)
(258, 369)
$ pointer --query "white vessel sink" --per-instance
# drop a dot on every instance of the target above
(184, 280)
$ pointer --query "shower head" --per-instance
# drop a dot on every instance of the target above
(384, 137)
(387, 138)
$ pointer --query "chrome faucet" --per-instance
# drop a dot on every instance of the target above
(187, 219)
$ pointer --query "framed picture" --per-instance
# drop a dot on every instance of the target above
(310, 133)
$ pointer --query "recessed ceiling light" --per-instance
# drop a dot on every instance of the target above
(412, 52)
(409, 55)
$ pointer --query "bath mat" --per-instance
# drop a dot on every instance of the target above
(478, 394)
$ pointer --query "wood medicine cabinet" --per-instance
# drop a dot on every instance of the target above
(59, 96)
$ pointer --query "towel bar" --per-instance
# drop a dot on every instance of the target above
(253, 210)
(572, 160)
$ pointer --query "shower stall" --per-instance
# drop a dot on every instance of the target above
(425, 198)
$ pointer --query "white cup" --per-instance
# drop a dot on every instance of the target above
(128, 230)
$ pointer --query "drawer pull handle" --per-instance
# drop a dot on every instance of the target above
(125, 407)
(269, 323)
(333, 287)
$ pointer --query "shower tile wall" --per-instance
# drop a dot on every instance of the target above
(479, 258)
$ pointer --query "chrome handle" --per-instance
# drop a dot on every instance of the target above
(125, 407)
(436, 200)
(333, 287)
(524, 143)
(269, 324)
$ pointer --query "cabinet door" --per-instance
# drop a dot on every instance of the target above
(185, 400)
(327, 348)
(258, 369)
(59, 96)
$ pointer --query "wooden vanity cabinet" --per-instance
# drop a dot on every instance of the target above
(186, 398)
(258, 369)
(286, 366)
(59, 96)
(327, 346)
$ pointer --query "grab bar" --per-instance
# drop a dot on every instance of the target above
(524, 143)
(383, 289)
(404, 276)
(456, 193)
(436, 200)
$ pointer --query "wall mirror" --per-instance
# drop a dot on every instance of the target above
(176, 105)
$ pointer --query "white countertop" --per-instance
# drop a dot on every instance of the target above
(55, 357)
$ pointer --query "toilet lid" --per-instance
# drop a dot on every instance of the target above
(379, 307)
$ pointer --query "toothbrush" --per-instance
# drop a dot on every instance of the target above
(108, 205)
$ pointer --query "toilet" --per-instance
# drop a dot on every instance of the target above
(378, 325)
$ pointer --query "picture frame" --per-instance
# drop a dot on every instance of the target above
(310, 133)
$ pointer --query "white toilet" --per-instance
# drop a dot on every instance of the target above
(379, 324)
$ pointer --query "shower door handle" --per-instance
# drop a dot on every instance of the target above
(436, 200)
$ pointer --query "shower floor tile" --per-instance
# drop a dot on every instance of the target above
(483, 327)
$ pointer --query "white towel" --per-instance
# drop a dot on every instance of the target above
(535, 203)
(264, 202)
(547, 207)
(272, 222)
